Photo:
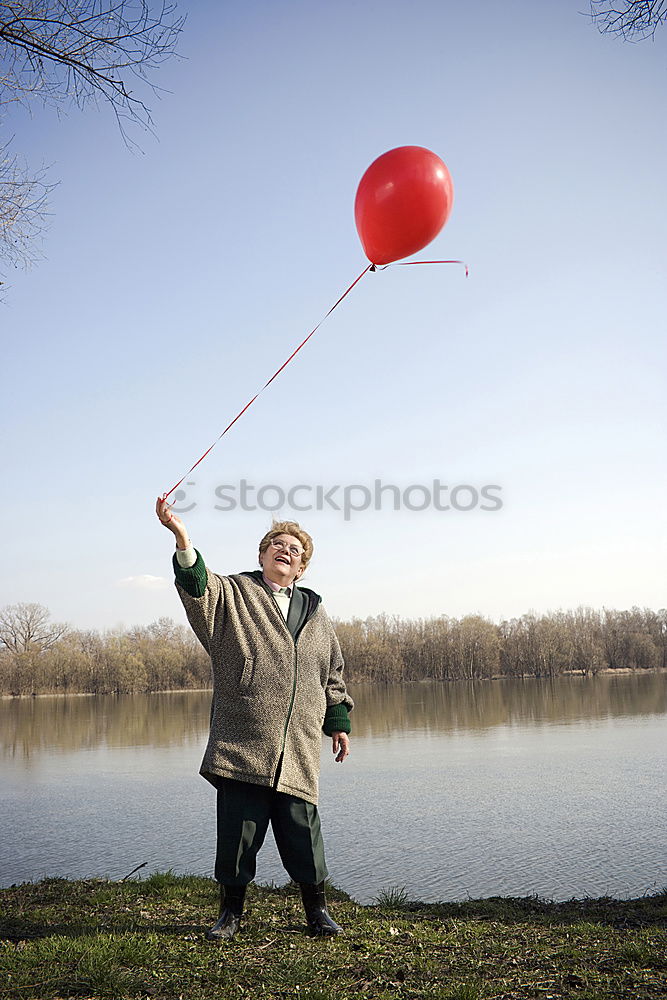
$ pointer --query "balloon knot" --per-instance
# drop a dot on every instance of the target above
(372, 267)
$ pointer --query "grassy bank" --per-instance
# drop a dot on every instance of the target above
(143, 939)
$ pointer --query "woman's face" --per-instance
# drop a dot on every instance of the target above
(282, 561)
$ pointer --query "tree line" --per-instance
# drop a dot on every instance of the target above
(38, 656)
(391, 649)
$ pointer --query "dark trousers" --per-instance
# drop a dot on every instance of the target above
(244, 813)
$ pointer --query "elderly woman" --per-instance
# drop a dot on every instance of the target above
(277, 683)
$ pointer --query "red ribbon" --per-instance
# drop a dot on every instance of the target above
(371, 267)
(407, 263)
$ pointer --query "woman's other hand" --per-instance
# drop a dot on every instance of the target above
(340, 745)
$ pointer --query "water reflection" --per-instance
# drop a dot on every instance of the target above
(31, 726)
(478, 705)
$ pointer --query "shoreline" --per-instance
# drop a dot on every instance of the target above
(605, 672)
(391, 898)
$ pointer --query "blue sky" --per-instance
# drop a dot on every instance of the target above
(177, 279)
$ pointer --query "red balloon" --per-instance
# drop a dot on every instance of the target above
(403, 201)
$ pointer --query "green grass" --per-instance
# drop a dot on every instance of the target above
(144, 940)
(392, 899)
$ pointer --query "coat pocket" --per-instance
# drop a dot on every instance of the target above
(247, 674)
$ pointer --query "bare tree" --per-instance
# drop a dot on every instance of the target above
(631, 19)
(25, 628)
(72, 52)
(22, 209)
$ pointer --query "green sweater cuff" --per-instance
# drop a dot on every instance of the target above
(193, 580)
(336, 720)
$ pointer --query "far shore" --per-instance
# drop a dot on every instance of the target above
(608, 671)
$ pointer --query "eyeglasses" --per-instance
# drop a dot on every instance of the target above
(293, 550)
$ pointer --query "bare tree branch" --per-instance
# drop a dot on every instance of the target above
(23, 211)
(631, 19)
(72, 52)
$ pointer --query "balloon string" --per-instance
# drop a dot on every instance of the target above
(370, 267)
(408, 263)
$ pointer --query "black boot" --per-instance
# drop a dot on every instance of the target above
(231, 910)
(320, 923)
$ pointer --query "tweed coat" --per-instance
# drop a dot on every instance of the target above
(270, 691)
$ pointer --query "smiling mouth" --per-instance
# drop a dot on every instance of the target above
(282, 559)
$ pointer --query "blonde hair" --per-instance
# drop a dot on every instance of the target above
(289, 528)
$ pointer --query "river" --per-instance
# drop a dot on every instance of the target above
(509, 787)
